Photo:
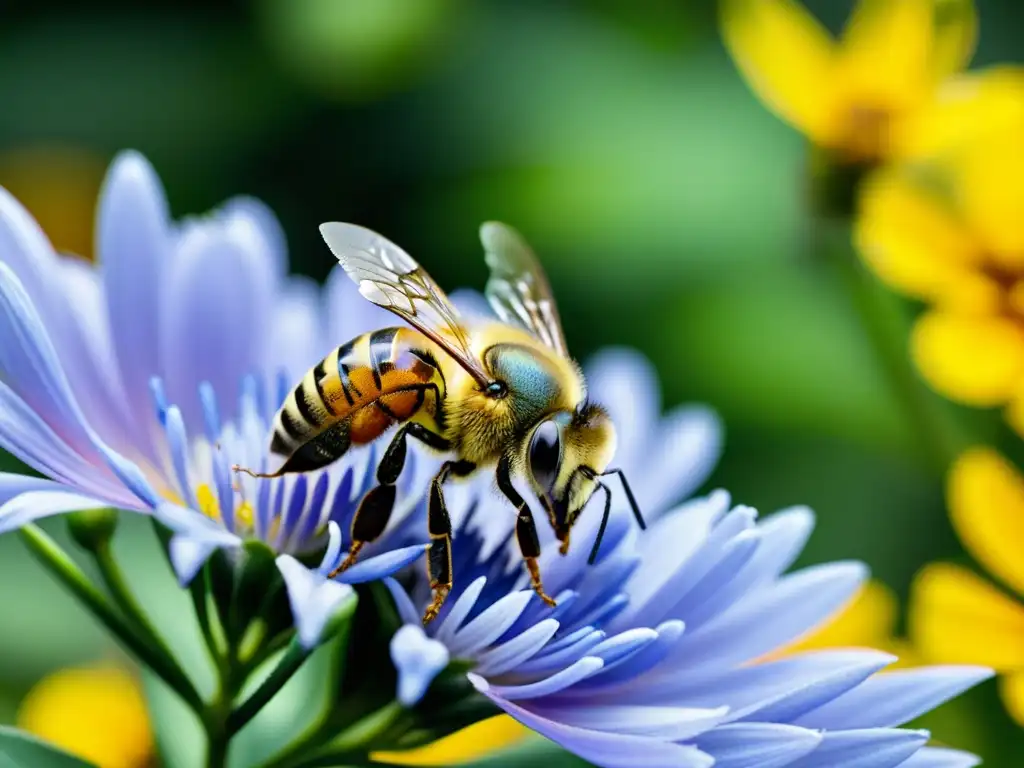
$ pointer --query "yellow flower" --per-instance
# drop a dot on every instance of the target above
(952, 235)
(959, 617)
(855, 96)
(471, 743)
(97, 713)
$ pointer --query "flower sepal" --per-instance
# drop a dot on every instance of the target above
(833, 183)
(92, 529)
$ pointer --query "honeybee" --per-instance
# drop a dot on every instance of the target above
(493, 394)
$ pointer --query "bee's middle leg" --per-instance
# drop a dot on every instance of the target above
(371, 518)
(526, 531)
(439, 524)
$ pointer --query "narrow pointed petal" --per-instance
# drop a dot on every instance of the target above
(547, 686)
(133, 245)
(796, 604)
(668, 723)
(491, 624)
(895, 698)
(511, 654)
(608, 750)
(418, 660)
(765, 745)
(385, 564)
(406, 610)
(188, 555)
(937, 757)
(462, 607)
(873, 748)
(314, 599)
(35, 505)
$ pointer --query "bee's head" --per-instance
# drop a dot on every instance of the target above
(566, 455)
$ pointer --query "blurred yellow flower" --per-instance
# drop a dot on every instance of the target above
(97, 713)
(959, 617)
(954, 237)
(855, 97)
(471, 743)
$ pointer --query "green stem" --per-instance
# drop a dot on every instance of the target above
(116, 584)
(198, 590)
(885, 327)
(57, 562)
(275, 681)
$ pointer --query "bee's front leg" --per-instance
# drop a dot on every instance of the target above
(526, 530)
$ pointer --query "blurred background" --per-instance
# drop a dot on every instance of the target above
(666, 202)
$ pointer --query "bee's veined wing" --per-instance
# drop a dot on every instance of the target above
(518, 289)
(391, 278)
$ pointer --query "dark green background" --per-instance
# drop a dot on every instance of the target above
(666, 202)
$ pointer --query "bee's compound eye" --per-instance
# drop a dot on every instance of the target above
(497, 389)
(545, 454)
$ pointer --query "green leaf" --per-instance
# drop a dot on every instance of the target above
(19, 749)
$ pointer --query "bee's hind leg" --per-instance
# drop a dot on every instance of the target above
(439, 524)
(526, 531)
(371, 518)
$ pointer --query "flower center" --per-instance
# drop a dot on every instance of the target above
(865, 134)
(210, 506)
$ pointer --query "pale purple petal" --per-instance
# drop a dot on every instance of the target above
(895, 698)
(608, 750)
(661, 722)
(418, 659)
(314, 599)
(406, 610)
(384, 564)
(133, 246)
(625, 382)
(35, 505)
(936, 757)
(874, 748)
(765, 745)
(506, 656)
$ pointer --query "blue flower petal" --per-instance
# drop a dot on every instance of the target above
(133, 245)
(547, 686)
(35, 505)
(333, 553)
(297, 339)
(770, 618)
(348, 313)
(936, 757)
(607, 750)
(649, 657)
(895, 698)
(314, 599)
(508, 655)
(490, 624)
(460, 610)
(661, 722)
(621, 647)
(188, 555)
(406, 610)
(218, 296)
(418, 660)
(874, 748)
(12, 485)
(385, 564)
(558, 655)
(765, 745)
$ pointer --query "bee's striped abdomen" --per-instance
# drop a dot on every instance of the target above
(353, 395)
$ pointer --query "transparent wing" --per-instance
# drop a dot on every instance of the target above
(518, 290)
(390, 278)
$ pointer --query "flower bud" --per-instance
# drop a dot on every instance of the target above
(92, 528)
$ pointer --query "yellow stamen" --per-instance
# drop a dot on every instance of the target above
(207, 501)
(244, 514)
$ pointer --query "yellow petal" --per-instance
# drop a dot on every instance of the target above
(97, 713)
(1011, 689)
(955, 36)
(965, 109)
(885, 53)
(470, 743)
(914, 241)
(986, 505)
(956, 617)
(786, 57)
(977, 360)
(989, 177)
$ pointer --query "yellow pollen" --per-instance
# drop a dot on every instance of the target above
(244, 514)
(208, 504)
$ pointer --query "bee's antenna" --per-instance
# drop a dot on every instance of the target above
(251, 473)
(629, 495)
(604, 522)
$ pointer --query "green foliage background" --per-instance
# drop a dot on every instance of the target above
(667, 204)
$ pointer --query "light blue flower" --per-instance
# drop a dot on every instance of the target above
(138, 382)
(651, 657)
